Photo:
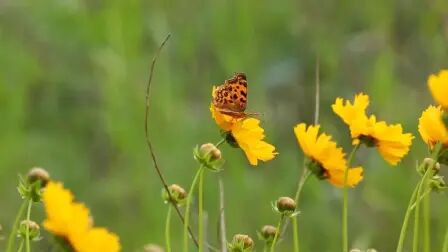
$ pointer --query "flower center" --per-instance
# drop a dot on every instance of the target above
(317, 169)
(368, 140)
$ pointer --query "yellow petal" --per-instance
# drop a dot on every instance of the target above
(438, 85)
(431, 126)
(354, 176)
(249, 136)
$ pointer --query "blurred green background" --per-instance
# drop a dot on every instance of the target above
(72, 81)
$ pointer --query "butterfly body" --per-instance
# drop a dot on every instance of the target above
(231, 97)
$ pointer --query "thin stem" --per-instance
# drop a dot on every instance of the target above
(220, 142)
(295, 233)
(222, 220)
(149, 144)
(27, 233)
(427, 174)
(406, 220)
(167, 230)
(428, 191)
(317, 92)
(201, 211)
(20, 246)
(266, 247)
(303, 178)
(13, 233)
(279, 226)
(187, 208)
(426, 224)
(345, 202)
(445, 242)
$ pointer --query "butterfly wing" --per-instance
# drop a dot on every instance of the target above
(231, 97)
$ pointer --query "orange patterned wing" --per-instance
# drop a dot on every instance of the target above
(231, 97)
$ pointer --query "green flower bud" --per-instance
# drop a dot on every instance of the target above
(286, 204)
(437, 183)
(267, 233)
(241, 243)
(210, 149)
(178, 194)
(152, 248)
(209, 156)
(38, 174)
(34, 229)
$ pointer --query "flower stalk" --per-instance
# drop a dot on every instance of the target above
(167, 230)
(279, 226)
(13, 233)
(345, 202)
(28, 216)
(295, 234)
(187, 208)
(201, 210)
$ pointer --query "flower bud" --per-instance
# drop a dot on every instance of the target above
(210, 149)
(371, 250)
(38, 174)
(429, 162)
(152, 248)
(355, 250)
(286, 204)
(33, 227)
(241, 243)
(267, 233)
(178, 194)
(437, 183)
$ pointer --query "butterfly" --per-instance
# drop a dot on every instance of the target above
(230, 98)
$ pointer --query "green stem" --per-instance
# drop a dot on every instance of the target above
(13, 233)
(426, 224)
(445, 242)
(20, 246)
(27, 233)
(200, 215)
(426, 193)
(279, 226)
(296, 234)
(187, 208)
(303, 178)
(404, 226)
(345, 202)
(220, 142)
(422, 184)
(167, 230)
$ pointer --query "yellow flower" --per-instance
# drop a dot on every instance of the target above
(431, 127)
(438, 85)
(249, 136)
(225, 122)
(71, 220)
(390, 140)
(324, 153)
(65, 218)
(97, 239)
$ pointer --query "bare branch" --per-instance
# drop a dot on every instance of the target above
(148, 141)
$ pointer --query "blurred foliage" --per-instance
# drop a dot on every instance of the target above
(72, 81)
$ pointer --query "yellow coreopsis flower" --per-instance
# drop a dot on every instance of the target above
(431, 127)
(248, 135)
(97, 239)
(326, 156)
(390, 140)
(65, 218)
(438, 85)
(71, 221)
